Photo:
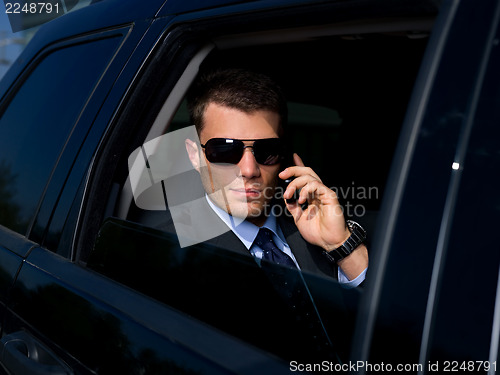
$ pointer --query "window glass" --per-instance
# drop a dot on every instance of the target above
(35, 125)
(222, 288)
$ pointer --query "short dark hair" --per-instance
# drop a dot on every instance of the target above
(239, 89)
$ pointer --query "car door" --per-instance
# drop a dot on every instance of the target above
(433, 300)
(117, 238)
(30, 150)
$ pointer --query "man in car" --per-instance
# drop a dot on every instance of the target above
(240, 117)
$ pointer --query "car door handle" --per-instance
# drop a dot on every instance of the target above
(20, 353)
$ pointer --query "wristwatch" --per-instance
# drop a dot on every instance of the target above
(358, 235)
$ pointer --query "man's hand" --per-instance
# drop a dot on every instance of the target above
(322, 223)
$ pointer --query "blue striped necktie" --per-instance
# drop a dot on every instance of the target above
(271, 252)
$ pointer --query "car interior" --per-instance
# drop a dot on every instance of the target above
(347, 90)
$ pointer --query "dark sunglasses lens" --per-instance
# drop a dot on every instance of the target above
(268, 151)
(222, 150)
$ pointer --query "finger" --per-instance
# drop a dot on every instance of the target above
(294, 209)
(297, 160)
(289, 172)
(298, 172)
(296, 185)
(310, 192)
(315, 190)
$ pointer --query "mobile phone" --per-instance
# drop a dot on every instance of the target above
(295, 194)
(288, 161)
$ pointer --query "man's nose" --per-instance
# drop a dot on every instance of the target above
(248, 165)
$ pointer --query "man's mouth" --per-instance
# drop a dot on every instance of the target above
(247, 192)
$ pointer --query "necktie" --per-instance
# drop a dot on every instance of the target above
(271, 252)
(291, 288)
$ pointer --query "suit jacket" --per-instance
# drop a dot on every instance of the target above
(193, 219)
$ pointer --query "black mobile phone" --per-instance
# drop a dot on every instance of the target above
(288, 162)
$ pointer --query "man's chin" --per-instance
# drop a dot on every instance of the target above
(246, 210)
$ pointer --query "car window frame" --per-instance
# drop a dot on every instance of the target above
(27, 73)
(180, 41)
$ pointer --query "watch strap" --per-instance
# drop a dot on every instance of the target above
(357, 237)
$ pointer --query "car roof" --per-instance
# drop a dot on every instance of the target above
(105, 14)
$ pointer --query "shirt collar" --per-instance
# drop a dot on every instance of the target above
(245, 230)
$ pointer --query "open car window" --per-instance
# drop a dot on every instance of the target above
(354, 100)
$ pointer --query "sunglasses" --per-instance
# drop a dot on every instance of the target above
(268, 151)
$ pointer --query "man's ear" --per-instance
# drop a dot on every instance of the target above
(193, 153)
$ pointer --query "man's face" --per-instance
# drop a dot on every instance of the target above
(247, 186)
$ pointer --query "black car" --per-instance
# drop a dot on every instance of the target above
(395, 104)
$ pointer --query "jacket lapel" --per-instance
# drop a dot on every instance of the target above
(227, 240)
(309, 257)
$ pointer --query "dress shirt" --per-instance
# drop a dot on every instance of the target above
(247, 232)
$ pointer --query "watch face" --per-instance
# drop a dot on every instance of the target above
(353, 226)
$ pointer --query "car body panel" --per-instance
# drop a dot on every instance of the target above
(132, 333)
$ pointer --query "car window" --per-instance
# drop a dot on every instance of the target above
(329, 109)
(35, 124)
(344, 119)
